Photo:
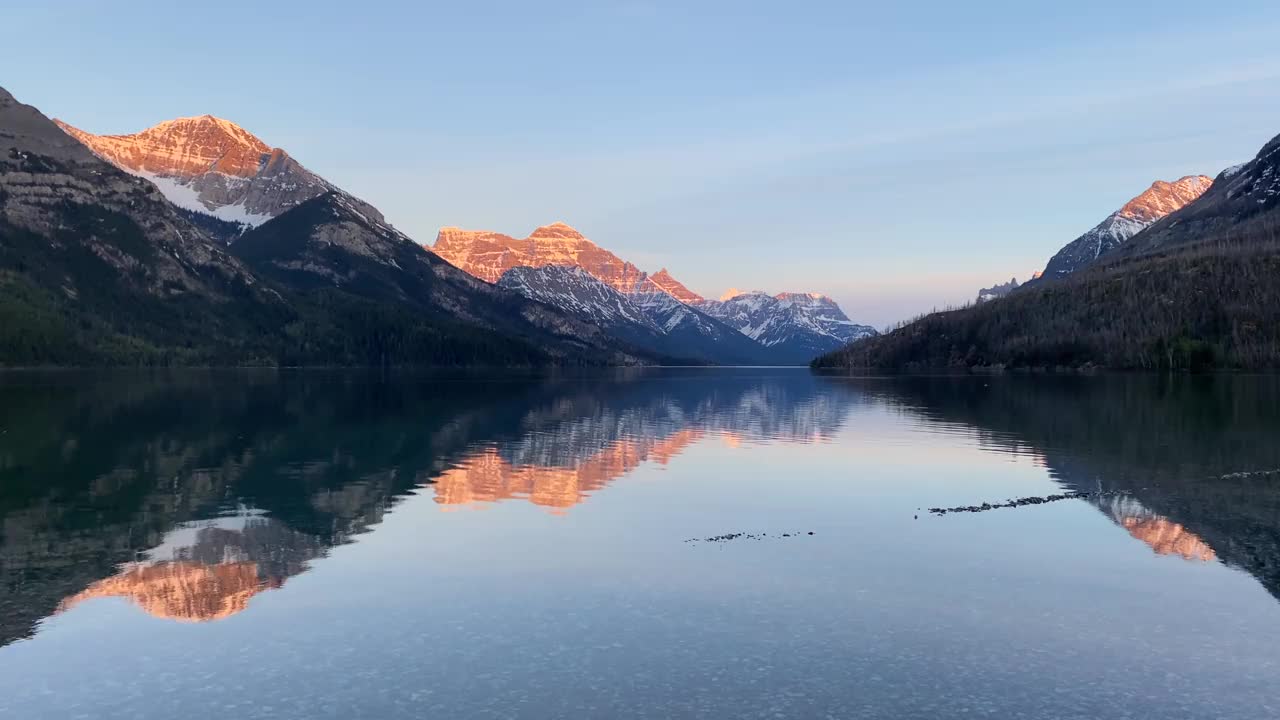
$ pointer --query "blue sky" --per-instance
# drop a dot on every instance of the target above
(896, 156)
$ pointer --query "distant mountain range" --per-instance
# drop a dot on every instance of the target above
(1181, 277)
(194, 241)
(797, 325)
(789, 328)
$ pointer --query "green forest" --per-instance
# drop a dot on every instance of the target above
(1209, 305)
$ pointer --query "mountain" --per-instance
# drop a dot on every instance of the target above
(824, 316)
(787, 328)
(796, 326)
(210, 165)
(693, 333)
(687, 331)
(579, 294)
(1138, 214)
(333, 243)
(98, 268)
(1241, 204)
(669, 285)
(487, 255)
(998, 291)
(649, 319)
(1196, 290)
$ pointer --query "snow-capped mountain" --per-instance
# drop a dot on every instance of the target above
(696, 333)
(54, 189)
(1161, 199)
(1241, 206)
(786, 328)
(212, 166)
(687, 332)
(648, 319)
(580, 295)
(797, 326)
(825, 316)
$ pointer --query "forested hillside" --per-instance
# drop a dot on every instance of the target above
(1198, 290)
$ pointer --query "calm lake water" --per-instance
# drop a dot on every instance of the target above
(335, 545)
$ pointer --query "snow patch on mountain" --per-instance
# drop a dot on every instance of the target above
(187, 198)
(574, 290)
(210, 165)
(806, 320)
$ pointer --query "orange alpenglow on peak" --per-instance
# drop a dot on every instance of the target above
(674, 287)
(1166, 537)
(487, 255)
(186, 146)
(488, 477)
(1163, 198)
(210, 165)
(557, 230)
(183, 591)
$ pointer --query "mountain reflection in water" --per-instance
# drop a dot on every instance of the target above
(1163, 535)
(1188, 462)
(208, 570)
(190, 493)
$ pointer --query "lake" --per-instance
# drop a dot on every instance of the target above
(682, 543)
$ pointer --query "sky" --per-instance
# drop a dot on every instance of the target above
(895, 156)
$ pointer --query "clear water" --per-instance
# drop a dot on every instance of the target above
(338, 545)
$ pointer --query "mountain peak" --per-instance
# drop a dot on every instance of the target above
(487, 255)
(1164, 197)
(1157, 201)
(229, 129)
(556, 231)
(805, 298)
(182, 147)
(674, 288)
(210, 165)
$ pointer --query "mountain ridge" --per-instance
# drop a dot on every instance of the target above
(798, 326)
(98, 267)
(804, 324)
(211, 165)
(1136, 215)
(329, 243)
